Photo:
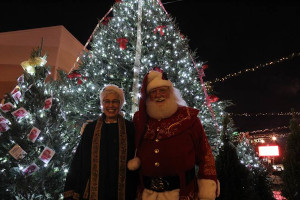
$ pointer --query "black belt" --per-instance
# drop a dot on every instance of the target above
(167, 183)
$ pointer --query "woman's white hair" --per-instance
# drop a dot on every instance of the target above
(113, 89)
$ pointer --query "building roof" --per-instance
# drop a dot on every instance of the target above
(61, 47)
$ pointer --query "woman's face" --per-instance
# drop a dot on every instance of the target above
(111, 107)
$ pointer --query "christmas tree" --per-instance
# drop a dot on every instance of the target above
(36, 143)
(258, 173)
(291, 174)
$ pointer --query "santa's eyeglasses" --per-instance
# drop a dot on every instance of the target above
(161, 90)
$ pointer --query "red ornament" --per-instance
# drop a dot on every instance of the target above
(106, 20)
(182, 36)
(213, 98)
(79, 82)
(122, 42)
(205, 66)
(74, 74)
(160, 29)
(118, 1)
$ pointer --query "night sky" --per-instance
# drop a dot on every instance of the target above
(230, 36)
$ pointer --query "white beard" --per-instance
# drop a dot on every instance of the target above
(163, 110)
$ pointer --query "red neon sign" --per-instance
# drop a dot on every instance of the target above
(268, 150)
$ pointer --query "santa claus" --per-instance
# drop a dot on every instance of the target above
(171, 142)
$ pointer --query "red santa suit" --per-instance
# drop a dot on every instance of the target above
(169, 151)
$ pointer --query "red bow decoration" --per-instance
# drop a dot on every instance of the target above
(74, 74)
(205, 66)
(213, 98)
(160, 29)
(79, 82)
(122, 42)
(106, 20)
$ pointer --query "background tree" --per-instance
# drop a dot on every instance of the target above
(36, 143)
(234, 177)
(239, 181)
(291, 163)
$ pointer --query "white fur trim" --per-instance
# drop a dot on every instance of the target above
(134, 164)
(155, 80)
(167, 195)
(207, 189)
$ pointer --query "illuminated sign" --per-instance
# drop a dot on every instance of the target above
(268, 150)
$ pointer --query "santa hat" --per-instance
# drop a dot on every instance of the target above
(153, 79)
(157, 79)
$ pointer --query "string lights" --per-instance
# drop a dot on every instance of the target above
(263, 114)
(267, 64)
(265, 130)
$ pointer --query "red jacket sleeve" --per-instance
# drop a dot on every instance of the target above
(204, 157)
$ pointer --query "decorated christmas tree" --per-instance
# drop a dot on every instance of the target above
(36, 143)
(291, 174)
